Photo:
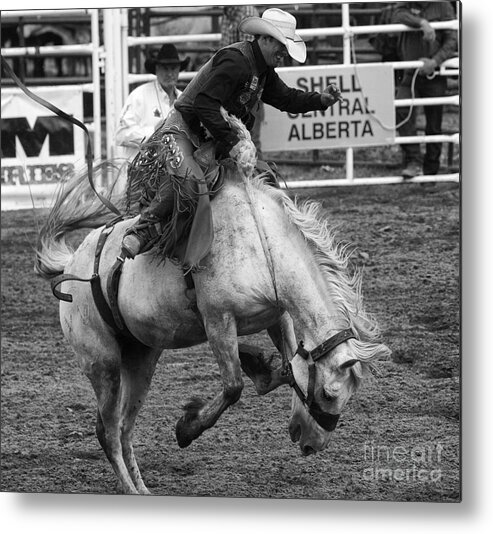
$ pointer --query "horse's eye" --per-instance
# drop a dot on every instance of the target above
(347, 364)
(328, 398)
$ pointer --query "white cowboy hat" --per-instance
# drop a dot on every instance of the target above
(280, 25)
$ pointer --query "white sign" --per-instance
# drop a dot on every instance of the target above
(366, 116)
(38, 146)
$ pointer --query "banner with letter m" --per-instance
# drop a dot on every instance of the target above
(38, 146)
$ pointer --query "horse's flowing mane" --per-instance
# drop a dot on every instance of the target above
(332, 258)
(343, 283)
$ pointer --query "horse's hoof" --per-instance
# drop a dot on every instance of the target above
(188, 421)
(182, 437)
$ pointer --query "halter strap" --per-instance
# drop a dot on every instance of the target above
(326, 421)
(324, 348)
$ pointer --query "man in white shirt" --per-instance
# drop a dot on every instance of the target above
(149, 104)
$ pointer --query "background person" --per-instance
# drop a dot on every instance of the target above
(432, 47)
(230, 22)
(149, 104)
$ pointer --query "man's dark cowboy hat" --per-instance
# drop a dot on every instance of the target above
(166, 55)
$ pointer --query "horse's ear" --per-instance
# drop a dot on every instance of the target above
(348, 364)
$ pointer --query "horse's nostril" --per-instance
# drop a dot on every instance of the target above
(307, 450)
(295, 432)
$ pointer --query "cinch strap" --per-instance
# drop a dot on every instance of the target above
(111, 315)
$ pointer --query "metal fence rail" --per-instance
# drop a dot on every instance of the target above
(93, 50)
(347, 31)
(111, 62)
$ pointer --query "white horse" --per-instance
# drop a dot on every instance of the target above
(273, 266)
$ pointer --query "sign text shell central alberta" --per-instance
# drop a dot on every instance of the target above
(366, 117)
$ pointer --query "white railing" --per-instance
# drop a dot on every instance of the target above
(448, 68)
(92, 49)
(118, 79)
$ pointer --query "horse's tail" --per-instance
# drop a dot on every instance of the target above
(75, 207)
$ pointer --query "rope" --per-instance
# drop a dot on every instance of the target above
(372, 113)
(270, 262)
(263, 237)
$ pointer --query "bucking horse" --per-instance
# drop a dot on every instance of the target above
(274, 265)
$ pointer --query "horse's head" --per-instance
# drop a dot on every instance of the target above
(323, 387)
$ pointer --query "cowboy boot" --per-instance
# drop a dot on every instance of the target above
(143, 234)
(140, 237)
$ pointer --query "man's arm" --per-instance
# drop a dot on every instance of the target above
(285, 98)
(225, 76)
(447, 38)
(404, 15)
(443, 43)
(130, 129)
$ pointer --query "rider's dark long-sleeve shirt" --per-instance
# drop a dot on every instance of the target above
(230, 74)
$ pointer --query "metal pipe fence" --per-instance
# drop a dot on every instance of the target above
(117, 78)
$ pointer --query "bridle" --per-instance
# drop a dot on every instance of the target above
(326, 420)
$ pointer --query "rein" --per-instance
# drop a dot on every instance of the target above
(69, 118)
(325, 420)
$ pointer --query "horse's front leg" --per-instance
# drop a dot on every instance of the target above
(259, 368)
(199, 415)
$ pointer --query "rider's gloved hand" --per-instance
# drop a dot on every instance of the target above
(331, 95)
(244, 154)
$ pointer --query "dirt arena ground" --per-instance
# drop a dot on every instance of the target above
(398, 438)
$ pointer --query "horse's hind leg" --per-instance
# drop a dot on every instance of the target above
(138, 366)
(101, 364)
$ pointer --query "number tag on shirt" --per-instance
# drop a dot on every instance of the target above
(244, 98)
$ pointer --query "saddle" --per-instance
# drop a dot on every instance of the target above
(187, 234)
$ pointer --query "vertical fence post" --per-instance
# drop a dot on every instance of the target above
(96, 78)
(113, 76)
(346, 24)
(125, 53)
(109, 76)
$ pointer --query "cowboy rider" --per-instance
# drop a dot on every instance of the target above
(235, 78)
